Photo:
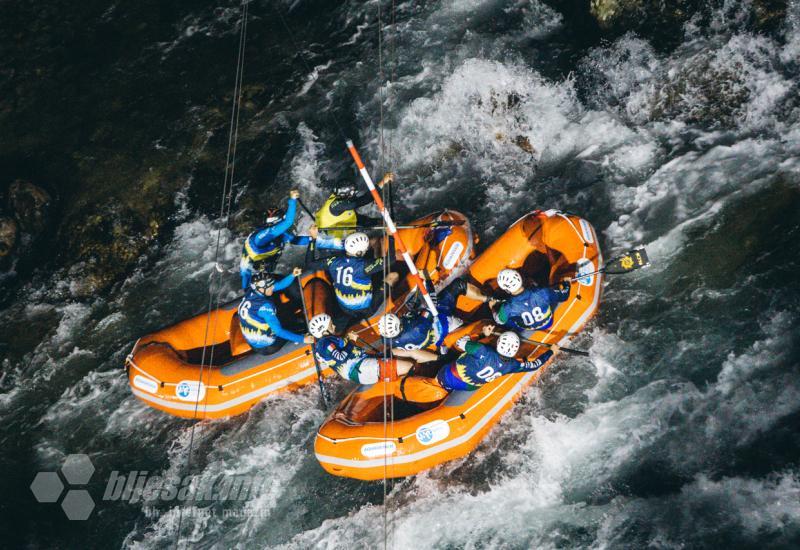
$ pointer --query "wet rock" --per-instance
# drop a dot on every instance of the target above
(769, 14)
(607, 12)
(108, 243)
(702, 93)
(8, 235)
(30, 205)
(647, 15)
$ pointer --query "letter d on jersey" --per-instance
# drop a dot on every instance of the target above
(190, 390)
(430, 433)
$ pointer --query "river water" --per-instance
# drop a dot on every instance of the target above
(682, 428)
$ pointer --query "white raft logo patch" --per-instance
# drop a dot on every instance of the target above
(375, 450)
(587, 231)
(452, 256)
(586, 267)
(145, 384)
(430, 433)
(190, 390)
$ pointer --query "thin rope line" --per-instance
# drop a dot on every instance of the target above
(388, 398)
(227, 189)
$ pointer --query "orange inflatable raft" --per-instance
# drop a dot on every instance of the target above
(165, 369)
(355, 441)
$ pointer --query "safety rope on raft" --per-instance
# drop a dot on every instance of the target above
(226, 200)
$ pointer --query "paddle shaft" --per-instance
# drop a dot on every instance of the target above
(573, 279)
(306, 209)
(370, 346)
(545, 344)
(568, 350)
(313, 353)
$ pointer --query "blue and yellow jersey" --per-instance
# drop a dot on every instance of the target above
(480, 364)
(340, 355)
(421, 330)
(352, 280)
(263, 248)
(258, 318)
(418, 331)
(532, 309)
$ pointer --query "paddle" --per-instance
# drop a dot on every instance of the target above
(311, 215)
(313, 353)
(568, 350)
(365, 343)
(443, 223)
(545, 344)
(624, 263)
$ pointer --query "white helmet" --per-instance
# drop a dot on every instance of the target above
(389, 325)
(319, 324)
(508, 344)
(356, 244)
(509, 280)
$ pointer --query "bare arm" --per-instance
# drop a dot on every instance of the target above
(474, 293)
(418, 355)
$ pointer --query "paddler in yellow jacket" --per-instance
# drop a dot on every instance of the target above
(339, 210)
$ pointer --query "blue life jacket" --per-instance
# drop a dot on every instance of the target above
(480, 364)
(339, 354)
(532, 309)
(352, 280)
(255, 312)
(258, 318)
(263, 247)
(419, 331)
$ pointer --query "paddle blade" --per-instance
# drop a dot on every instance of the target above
(630, 261)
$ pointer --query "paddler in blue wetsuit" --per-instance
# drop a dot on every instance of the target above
(258, 315)
(526, 309)
(480, 364)
(351, 275)
(412, 333)
(263, 247)
(348, 360)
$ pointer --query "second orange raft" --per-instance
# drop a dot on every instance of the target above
(356, 442)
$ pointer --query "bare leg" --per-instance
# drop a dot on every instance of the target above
(403, 366)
